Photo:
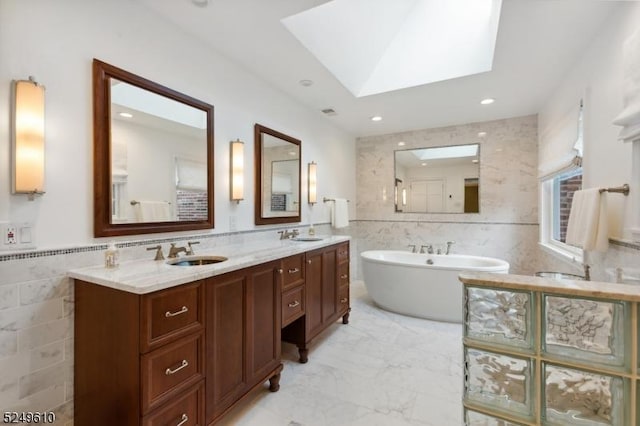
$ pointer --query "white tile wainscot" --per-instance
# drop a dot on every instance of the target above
(540, 351)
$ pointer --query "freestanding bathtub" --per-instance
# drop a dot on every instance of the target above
(404, 283)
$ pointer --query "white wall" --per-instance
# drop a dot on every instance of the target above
(63, 38)
(597, 77)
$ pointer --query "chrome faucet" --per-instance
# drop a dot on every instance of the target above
(413, 247)
(429, 248)
(286, 234)
(449, 244)
(174, 251)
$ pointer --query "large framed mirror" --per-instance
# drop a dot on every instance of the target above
(438, 180)
(153, 156)
(277, 188)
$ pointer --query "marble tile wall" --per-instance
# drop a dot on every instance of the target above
(507, 225)
(37, 316)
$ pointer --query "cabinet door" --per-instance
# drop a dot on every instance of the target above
(264, 319)
(226, 311)
(329, 286)
(313, 289)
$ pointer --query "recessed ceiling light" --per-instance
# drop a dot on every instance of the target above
(498, 149)
(126, 115)
(482, 134)
(423, 164)
(200, 3)
(292, 153)
(487, 101)
(376, 118)
(401, 143)
(474, 161)
(306, 83)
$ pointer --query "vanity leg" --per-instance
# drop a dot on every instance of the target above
(274, 381)
(345, 317)
(304, 354)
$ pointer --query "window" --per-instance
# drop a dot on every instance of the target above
(557, 191)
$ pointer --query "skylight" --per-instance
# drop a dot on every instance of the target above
(446, 152)
(376, 46)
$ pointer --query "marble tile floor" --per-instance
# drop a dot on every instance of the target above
(381, 369)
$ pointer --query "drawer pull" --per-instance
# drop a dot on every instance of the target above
(294, 304)
(342, 253)
(344, 276)
(170, 314)
(343, 300)
(294, 270)
(183, 420)
(280, 271)
(169, 371)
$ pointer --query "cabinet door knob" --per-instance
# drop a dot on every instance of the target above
(170, 314)
(169, 371)
(309, 261)
(184, 419)
(294, 304)
(344, 276)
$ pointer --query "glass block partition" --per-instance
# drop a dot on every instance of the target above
(545, 352)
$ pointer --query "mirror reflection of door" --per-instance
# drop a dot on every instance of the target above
(471, 197)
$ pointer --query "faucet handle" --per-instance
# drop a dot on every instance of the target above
(413, 247)
(190, 244)
(423, 246)
(158, 248)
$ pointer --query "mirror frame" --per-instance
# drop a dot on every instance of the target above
(259, 219)
(102, 225)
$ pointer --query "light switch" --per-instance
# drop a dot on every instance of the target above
(25, 234)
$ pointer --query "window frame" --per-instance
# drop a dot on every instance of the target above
(549, 221)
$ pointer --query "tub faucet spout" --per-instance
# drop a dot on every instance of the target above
(449, 244)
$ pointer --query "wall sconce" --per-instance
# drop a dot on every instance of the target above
(28, 138)
(237, 170)
(313, 183)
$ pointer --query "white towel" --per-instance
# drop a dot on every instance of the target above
(153, 211)
(340, 213)
(587, 227)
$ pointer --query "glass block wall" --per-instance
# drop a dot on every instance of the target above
(533, 358)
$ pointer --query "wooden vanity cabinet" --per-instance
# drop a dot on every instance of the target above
(243, 322)
(136, 355)
(326, 296)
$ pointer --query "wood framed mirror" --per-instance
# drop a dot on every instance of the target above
(277, 173)
(153, 156)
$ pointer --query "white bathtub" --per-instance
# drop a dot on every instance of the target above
(403, 282)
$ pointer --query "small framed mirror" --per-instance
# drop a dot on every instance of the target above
(153, 156)
(277, 189)
(438, 180)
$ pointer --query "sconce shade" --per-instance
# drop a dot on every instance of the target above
(28, 137)
(404, 196)
(237, 170)
(313, 183)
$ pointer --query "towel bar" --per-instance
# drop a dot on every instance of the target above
(624, 189)
(134, 202)
(326, 200)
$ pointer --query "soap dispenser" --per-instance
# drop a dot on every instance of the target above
(111, 256)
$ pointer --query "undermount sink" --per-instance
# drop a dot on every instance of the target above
(196, 260)
(307, 239)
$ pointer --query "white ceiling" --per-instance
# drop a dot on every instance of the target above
(538, 41)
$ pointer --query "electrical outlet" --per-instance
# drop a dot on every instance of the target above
(10, 237)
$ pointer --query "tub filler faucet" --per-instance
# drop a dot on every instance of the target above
(413, 248)
(429, 248)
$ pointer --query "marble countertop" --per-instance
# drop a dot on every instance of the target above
(592, 289)
(146, 276)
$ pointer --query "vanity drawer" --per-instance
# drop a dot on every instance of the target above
(343, 274)
(167, 315)
(343, 298)
(343, 253)
(292, 271)
(187, 410)
(292, 305)
(170, 370)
